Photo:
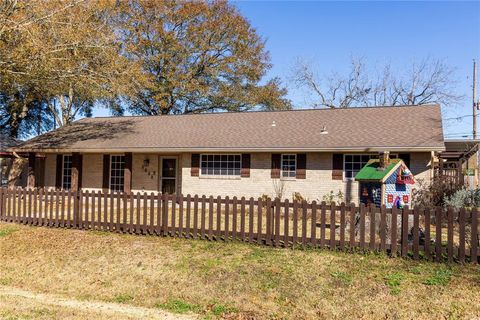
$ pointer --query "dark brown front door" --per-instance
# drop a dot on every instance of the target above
(169, 175)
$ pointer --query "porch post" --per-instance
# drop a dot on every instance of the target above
(127, 173)
(31, 170)
(76, 171)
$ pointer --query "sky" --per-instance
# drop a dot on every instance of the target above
(328, 34)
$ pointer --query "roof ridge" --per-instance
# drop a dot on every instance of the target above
(265, 111)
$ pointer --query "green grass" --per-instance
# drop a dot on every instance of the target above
(178, 306)
(122, 298)
(7, 231)
(441, 277)
(393, 281)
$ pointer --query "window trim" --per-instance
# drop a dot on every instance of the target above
(219, 176)
(392, 156)
(281, 166)
(110, 172)
(63, 170)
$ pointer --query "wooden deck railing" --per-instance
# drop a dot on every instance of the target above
(427, 233)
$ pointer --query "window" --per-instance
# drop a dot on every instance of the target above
(220, 164)
(67, 172)
(352, 163)
(289, 165)
(117, 165)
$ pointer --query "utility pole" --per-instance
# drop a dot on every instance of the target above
(474, 100)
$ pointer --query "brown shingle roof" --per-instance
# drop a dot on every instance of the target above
(360, 129)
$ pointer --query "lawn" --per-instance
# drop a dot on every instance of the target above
(230, 280)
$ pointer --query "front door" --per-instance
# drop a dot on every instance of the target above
(168, 179)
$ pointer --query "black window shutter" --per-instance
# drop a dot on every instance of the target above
(245, 171)
(106, 173)
(301, 166)
(275, 173)
(195, 167)
(337, 166)
(406, 158)
(58, 173)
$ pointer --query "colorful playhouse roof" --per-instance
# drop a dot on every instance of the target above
(370, 171)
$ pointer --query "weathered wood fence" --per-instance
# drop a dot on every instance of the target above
(431, 233)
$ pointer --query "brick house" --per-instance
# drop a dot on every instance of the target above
(311, 152)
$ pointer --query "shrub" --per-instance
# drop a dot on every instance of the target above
(333, 197)
(463, 198)
(433, 194)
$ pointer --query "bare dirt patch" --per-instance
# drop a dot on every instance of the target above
(89, 307)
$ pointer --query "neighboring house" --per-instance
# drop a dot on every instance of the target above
(463, 154)
(311, 152)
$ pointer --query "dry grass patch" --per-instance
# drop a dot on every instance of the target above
(233, 280)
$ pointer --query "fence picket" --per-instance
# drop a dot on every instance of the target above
(87, 222)
(416, 230)
(362, 226)
(405, 214)
(210, 217)
(174, 214)
(143, 224)
(450, 234)
(24, 211)
(29, 217)
(323, 218)
(313, 227)
(295, 222)
(188, 216)
(342, 226)
(304, 223)
(118, 213)
(352, 225)
(438, 234)
(332, 225)
(250, 220)
(426, 247)
(180, 215)
(219, 219)
(151, 222)
(383, 228)
(394, 228)
(202, 223)
(242, 217)
(125, 212)
(259, 220)
(195, 216)
(227, 218)
(234, 217)
(461, 235)
(474, 236)
(286, 219)
(268, 238)
(276, 222)
(373, 215)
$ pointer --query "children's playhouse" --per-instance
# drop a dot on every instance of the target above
(388, 182)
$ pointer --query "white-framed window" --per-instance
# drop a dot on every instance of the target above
(353, 163)
(289, 166)
(67, 172)
(117, 166)
(220, 164)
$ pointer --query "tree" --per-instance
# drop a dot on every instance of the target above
(196, 56)
(430, 81)
(62, 54)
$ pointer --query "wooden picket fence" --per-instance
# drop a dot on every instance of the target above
(431, 233)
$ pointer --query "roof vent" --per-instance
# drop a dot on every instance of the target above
(324, 130)
(274, 124)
